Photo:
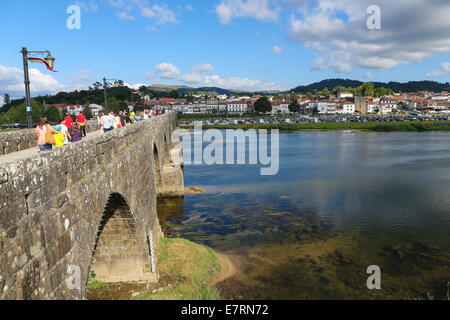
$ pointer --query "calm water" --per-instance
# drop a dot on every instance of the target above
(340, 203)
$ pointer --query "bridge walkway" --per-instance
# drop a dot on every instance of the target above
(26, 153)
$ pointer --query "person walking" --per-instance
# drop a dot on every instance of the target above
(122, 119)
(44, 133)
(69, 122)
(76, 136)
(99, 122)
(59, 137)
(81, 119)
(65, 131)
(116, 122)
(107, 122)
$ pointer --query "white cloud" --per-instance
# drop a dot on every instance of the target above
(165, 71)
(123, 15)
(445, 70)
(368, 75)
(201, 68)
(134, 86)
(199, 77)
(189, 7)
(277, 49)
(337, 31)
(262, 10)
(91, 6)
(152, 28)
(2, 101)
(319, 65)
(161, 14)
(83, 78)
(11, 82)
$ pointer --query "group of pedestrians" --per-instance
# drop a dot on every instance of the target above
(66, 131)
(110, 121)
(69, 130)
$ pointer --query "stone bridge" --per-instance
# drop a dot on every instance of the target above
(87, 208)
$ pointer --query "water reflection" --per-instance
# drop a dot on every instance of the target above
(341, 202)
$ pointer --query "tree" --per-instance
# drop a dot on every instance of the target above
(294, 106)
(263, 105)
(325, 92)
(279, 97)
(139, 106)
(6, 99)
(124, 106)
(173, 94)
(52, 114)
(97, 85)
(367, 89)
(88, 112)
(113, 105)
(19, 114)
(309, 96)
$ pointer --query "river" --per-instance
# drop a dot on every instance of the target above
(341, 202)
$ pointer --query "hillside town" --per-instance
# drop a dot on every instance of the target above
(344, 103)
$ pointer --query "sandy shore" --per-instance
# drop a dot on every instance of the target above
(231, 265)
(194, 190)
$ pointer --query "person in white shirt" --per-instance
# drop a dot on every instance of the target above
(107, 122)
(65, 131)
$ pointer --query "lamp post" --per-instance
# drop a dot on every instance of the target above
(105, 84)
(49, 61)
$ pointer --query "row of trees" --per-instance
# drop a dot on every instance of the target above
(365, 90)
(19, 115)
(263, 105)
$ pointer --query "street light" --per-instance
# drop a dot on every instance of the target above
(49, 61)
(105, 84)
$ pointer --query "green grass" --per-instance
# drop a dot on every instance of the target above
(95, 284)
(7, 130)
(370, 126)
(188, 267)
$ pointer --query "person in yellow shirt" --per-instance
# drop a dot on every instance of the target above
(59, 137)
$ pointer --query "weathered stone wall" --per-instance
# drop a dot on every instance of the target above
(18, 140)
(121, 253)
(51, 206)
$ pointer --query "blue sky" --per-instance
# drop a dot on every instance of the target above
(239, 44)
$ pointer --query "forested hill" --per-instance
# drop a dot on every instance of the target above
(411, 86)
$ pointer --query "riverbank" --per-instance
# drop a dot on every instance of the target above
(188, 271)
(416, 126)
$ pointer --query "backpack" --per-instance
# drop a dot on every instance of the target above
(49, 139)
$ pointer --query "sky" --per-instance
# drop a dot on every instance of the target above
(235, 44)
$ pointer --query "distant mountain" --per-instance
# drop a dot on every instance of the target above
(187, 90)
(215, 90)
(411, 86)
(167, 88)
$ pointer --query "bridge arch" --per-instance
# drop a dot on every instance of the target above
(121, 250)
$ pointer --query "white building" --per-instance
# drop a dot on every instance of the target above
(372, 107)
(346, 108)
(212, 105)
(387, 104)
(238, 107)
(343, 95)
(324, 107)
(280, 108)
(95, 109)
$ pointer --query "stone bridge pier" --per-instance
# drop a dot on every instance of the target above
(87, 208)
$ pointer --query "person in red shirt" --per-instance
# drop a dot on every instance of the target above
(69, 122)
(81, 119)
